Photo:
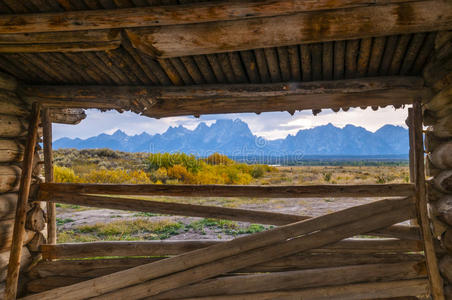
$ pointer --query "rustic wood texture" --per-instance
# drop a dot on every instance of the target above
(441, 157)
(9, 178)
(443, 209)
(87, 269)
(12, 126)
(11, 150)
(243, 215)
(36, 219)
(170, 248)
(443, 127)
(12, 105)
(258, 283)
(24, 189)
(207, 99)
(375, 215)
(377, 190)
(6, 228)
(71, 116)
(165, 15)
(391, 290)
(48, 173)
(7, 205)
(4, 259)
(7, 82)
(443, 181)
(359, 22)
(435, 280)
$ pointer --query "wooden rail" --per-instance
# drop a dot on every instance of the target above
(235, 214)
(169, 248)
(305, 191)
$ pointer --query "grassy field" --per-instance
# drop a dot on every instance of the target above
(81, 224)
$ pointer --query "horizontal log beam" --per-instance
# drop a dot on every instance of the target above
(167, 15)
(297, 28)
(99, 40)
(301, 191)
(170, 248)
(212, 99)
(243, 215)
(86, 269)
(258, 283)
(376, 290)
(242, 252)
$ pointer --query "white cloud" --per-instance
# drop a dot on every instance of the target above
(272, 125)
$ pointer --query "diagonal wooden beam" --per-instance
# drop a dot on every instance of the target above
(161, 102)
(169, 15)
(297, 28)
(333, 227)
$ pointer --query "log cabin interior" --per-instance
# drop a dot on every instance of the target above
(163, 58)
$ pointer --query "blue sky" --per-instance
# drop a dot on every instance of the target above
(271, 125)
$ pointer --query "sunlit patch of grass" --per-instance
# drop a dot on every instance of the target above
(126, 230)
(224, 226)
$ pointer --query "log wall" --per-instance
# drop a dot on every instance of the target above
(14, 114)
(438, 145)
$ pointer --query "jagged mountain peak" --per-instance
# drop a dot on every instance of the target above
(234, 137)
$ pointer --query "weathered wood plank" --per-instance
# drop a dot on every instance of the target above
(6, 228)
(170, 248)
(4, 259)
(92, 268)
(211, 99)
(11, 150)
(270, 282)
(391, 290)
(370, 214)
(7, 82)
(380, 190)
(19, 233)
(306, 27)
(244, 215)
(166, 15)
(59, 47)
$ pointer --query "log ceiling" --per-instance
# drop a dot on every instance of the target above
(146, 43)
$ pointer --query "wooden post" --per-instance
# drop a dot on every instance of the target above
(48, 170)
(21, 208)
(413, 222)
(436, 282)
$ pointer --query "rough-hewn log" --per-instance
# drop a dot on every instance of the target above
(440, 100)
(443, 209)
(447, 240)
(273, 281)
(36, 218)
(435, 280)
(11, 150)
(93, 268)
(167, 248)
(368, 216)
(208, 99)
(443, 127)
(12, 126)
(12, 105)
(443, 181)
(71, 116)
(36, 242)
(442, 156)
(59, 47)
(380, 190)
(244, 215)
(278, 281)
(353, 23)
(391, 290)
(21, 208)
(9, 178)
(4, 259)
(445, 266)
(7, 82)
(165, 15)
(6, 228)
(7, 206)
